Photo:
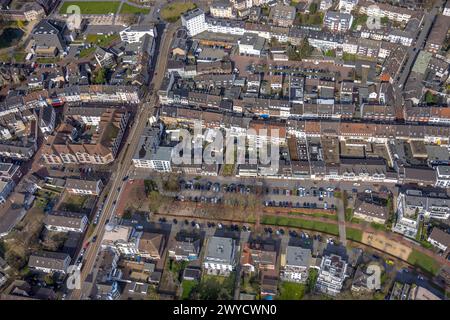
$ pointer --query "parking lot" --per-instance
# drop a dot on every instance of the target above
(214, 192)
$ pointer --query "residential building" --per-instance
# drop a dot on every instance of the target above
(133, 34)
(151, 245)
(6, 187)
(446, 11)
(295, 264)
(47, 118)
(149, 154)
(251, 44)
(333, 272)
(118, 238)
(9, 171)
(29, 11)
(194, 21)
(49, 262)
(282, 15)
(381, 10)
(104, 58)
(65, 221)
(84, 187)
(438, 34)
(416, 203)
(49, 34)
(346, 6)
(185, 248)
(256, 257)
(101, 148)
(439, 239)
(269, 283)
(371, 208)
(337, 21)
(443, 176)
(222, 9)
(363, 280)
(325, 5)
(220, 256)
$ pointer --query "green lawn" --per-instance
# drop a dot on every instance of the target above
(188, 285)
(74, 203)
(378, 226)
(353, 234)
(101, 40)
(317, 215)
(228, 169)
(19, 56)
(129, 9)
(359, 21)
(291, 291)
(92, 7)
(301, 223)
(86, 52)
(349, 57)
(423, 261)
(173, 11)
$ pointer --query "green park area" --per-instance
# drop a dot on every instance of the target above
(423, 261)
(329, 228)
(92, 7)
(129, 9)
(173, 11)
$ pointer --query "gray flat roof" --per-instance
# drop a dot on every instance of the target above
(220, 249)
(297, 256)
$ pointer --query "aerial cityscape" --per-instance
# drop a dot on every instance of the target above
(224, 150)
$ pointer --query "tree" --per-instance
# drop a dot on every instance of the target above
(211, 289)
(430, 98)
(313, 8)
(100, 76)
(15, 260)
(304, 50)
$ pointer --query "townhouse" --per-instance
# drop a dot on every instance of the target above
(440, 239)
(64, 221)
(84, 187)
(49, 262)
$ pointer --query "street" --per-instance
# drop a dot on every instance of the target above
(124, 161)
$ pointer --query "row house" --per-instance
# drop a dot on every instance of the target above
(377, 112)
(381, 10)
